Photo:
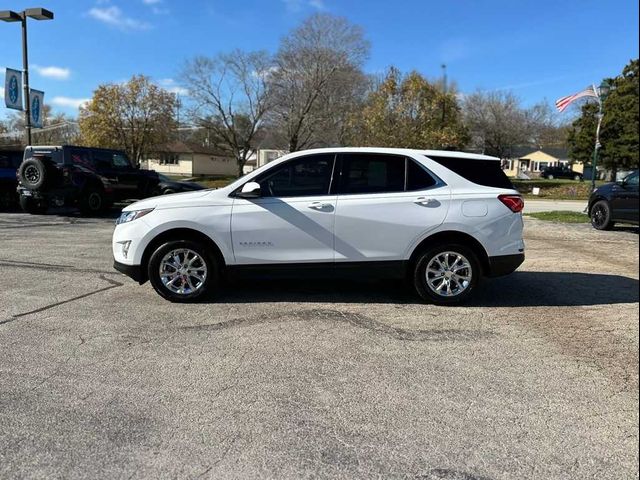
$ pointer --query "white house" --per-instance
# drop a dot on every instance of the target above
(190, 160)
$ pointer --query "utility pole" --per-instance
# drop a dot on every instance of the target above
(444, 92)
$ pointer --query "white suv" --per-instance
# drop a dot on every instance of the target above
(438, 218)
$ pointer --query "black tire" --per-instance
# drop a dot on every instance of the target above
(32, 206)
(168, 191)
(420, 275)
(33, 173)
(192, 290)
(92, 201)
(577, 178)
(601, 215)
(549, 177)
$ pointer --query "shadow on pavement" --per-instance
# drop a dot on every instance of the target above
(521, 289)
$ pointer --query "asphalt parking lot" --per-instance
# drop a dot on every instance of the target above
(101, 378)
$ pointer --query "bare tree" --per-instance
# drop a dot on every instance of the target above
(496, 122)
(230, 95)
(317, 77)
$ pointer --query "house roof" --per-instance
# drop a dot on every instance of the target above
(188, 147)
(559, 153)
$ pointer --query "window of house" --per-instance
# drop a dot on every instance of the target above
(306, 176)
(169, 159)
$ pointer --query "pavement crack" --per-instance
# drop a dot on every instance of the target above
(112, 284)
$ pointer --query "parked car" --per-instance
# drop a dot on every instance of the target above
(91, 178)
(9, 162)
(561, 172)
(441, 219)
(615, 202)
(168, 186)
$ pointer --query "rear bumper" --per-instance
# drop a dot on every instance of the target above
(131, 271)
(504, 264)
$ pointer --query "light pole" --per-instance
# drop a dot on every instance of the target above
(11, 16)
(603, 92)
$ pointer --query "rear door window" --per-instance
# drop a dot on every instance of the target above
(372, 173)
(81, 158)
(481, 172)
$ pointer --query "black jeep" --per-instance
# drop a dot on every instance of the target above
(91, 178)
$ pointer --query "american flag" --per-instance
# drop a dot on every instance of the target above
(564, 102)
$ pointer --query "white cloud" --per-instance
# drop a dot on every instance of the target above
(170, 85)
(297, 5)
(114, 17)
(57, 73)
(68, 102)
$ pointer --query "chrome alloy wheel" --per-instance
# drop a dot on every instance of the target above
(449, 274)
(32, 174)
(183, 271)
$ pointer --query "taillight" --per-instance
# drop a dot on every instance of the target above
(515, 203)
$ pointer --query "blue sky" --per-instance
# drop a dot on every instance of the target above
(538, 49)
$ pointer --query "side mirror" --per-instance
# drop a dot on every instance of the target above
(249, 190)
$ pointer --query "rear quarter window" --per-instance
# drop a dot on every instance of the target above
(481, 172)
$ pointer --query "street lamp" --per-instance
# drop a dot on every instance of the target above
(603, 93)
(11, 16)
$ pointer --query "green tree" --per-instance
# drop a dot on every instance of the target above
(134, 116)
(410, 112)
(582, 134)
(619, 134)
(619, 130)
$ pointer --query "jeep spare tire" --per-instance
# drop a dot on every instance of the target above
(33, 173)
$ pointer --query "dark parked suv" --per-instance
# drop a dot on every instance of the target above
(91, 178)
(9, 162)
(560, 172)
(615, 202)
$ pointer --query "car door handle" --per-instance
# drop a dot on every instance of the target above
(426, 201)
(320, 205)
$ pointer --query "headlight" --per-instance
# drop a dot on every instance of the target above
(126, 217)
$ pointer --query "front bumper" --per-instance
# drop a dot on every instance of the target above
(504, 264)
(132, 271)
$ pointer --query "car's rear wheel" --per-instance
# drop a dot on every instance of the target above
(168, 191)
(550, 177)
(446, 274)
(601, 215)
(577, 178)
(182, 271)
(32, 206)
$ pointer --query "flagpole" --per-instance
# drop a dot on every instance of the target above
(594, 163)
(602, 93)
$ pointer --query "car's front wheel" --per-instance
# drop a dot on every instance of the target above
(549, 177)
(446, 274)
(92, 202)
(182, 271)
(601, 215)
